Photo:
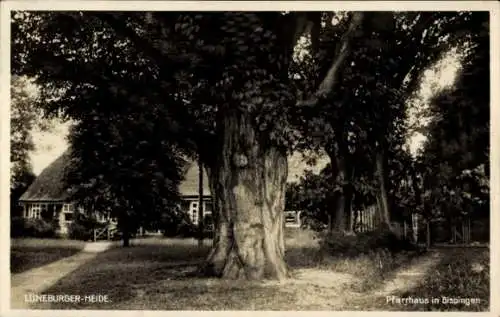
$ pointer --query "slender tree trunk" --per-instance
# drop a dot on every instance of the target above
(343, 197)
(200, 203)
(126, 238)
(125, 232)
(124, 225)
(331, 222)
(428, 234)
(348, 195)
(248, 183)
(382, 200)
(340, 221)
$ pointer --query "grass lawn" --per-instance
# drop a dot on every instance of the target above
(156, 274)
(29, 253)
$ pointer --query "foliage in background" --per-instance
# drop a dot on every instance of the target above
(82, 227)
(37, 228)
(366, 121)
(220, 84)
(362, 126)
(454, 163)
(25, 116)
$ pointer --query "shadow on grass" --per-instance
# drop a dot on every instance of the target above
(26, 258)
(158, 277)
(157, 274)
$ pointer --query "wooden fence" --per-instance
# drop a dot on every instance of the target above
(365, 220)
(414, 228)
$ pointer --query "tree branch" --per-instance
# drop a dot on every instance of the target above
(343, 51)
(168, 65)
(163, 59)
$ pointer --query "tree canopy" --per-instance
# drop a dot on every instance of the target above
(241, 90)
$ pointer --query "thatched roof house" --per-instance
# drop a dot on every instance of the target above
(49, 193)
(49, 185)
(189, 187)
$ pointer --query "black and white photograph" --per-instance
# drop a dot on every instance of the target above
(261, 159)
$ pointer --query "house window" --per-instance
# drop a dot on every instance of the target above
(194, 213)
(68, 212)
(35, 211)
(43, 210)
(208, 207)
(68, 208)
(68, 216)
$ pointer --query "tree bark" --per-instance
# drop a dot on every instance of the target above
(200, 203)
(343, 210)
(248, 185)
(125, 233)
(340, 221)
(382, 200)
(348, 195)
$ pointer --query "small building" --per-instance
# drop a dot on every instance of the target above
(293, 218)
(48, 198)
(189, 191)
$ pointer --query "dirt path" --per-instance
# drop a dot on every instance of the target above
(326, 290)
(410, 277)
(37, 280)
(403, 280)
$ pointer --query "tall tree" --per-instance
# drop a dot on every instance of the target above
(25, 117)
(222, 77)
(122, 168)
(455, 157)
(363, 124)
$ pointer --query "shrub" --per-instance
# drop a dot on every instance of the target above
(311, 223)
(338, 243)
(82, 228)
(178, 224)
(38, 228)
(208, 227)
(77, 231)
(17, 227)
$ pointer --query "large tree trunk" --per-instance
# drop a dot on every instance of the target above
(248, 185)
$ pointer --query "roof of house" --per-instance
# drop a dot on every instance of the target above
(49, 185)
(189, 186)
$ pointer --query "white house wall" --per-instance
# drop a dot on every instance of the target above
(193, 209)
